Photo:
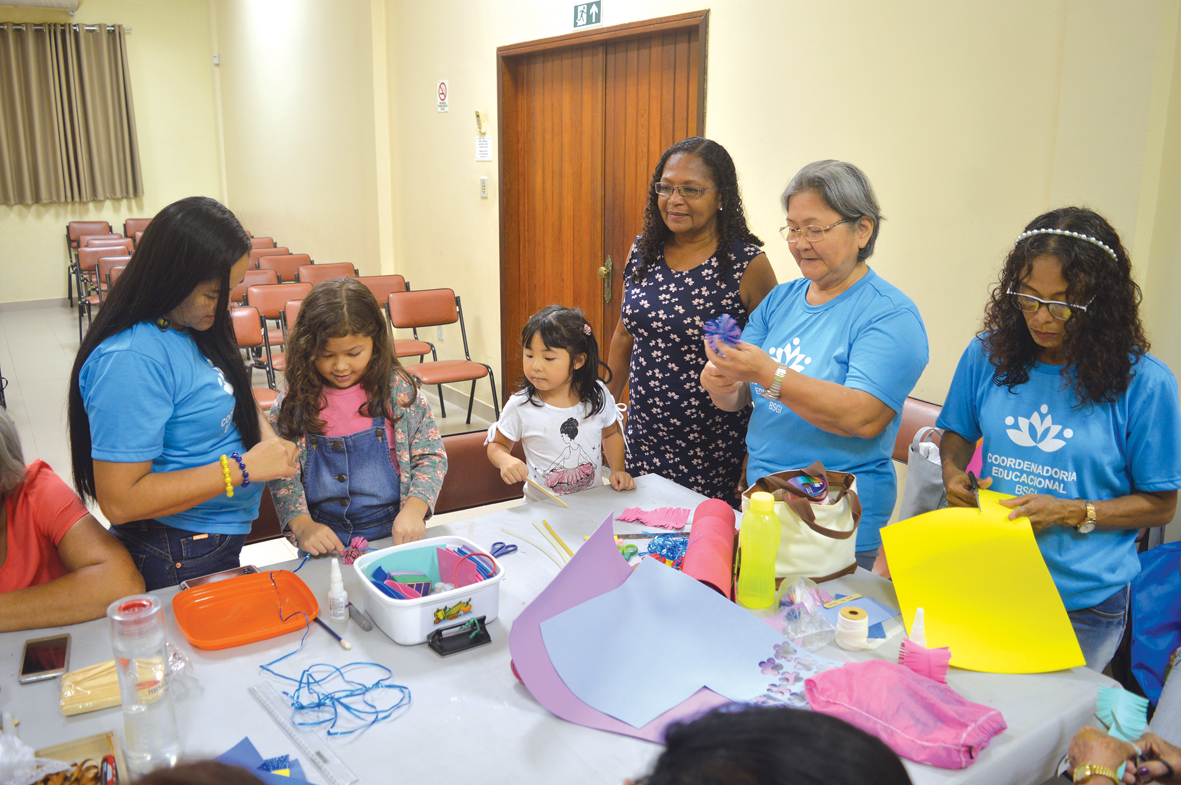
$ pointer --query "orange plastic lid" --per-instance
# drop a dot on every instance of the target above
(245, 609)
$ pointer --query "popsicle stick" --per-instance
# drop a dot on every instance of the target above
(546, 491)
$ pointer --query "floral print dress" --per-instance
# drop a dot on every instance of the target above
(673, 428)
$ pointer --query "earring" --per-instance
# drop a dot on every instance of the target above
(163, 323)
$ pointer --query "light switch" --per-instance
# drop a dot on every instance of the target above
(483, 187)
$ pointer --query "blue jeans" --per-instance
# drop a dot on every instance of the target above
(1100, 628)
(865, 559)
(166, 556)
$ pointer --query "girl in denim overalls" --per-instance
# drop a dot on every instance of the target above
(371, 459)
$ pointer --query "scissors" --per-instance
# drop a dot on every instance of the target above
(628, 550)
(975, 485)
(500, 549)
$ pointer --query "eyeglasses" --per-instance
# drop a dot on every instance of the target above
(1059, 310)
(686, 191)
(812, 234)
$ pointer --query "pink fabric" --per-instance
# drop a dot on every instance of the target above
(663, 517)
(918, 718)
(340, 411)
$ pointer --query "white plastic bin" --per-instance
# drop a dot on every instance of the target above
(410, 621)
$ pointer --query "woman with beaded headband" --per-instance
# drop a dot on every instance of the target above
(695, 260)
(1080, 424)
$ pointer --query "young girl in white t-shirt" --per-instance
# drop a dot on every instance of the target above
(563, 415)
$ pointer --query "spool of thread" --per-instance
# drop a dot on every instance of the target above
(852, 628)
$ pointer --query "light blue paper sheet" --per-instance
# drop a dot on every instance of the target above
(690, 634)
(245, 755)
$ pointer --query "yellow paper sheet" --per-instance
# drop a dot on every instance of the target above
(984, 589)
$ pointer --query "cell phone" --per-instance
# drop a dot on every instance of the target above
(45, 658)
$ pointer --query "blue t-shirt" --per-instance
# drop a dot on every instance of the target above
(152, 396)
(1036, 440)
(869, 338)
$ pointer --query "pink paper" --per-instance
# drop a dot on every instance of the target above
(931, 663)
(596, 568)
(454, 572)
(663, 517)
(407, 591)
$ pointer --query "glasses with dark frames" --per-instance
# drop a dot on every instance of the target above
(1058, 309)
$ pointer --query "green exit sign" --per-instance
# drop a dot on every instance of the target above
(588, 14)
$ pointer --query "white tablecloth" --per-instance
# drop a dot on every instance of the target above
(470, 719)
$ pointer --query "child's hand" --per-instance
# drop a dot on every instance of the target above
(408, 526)
(315, 538)
(514, 472)
(622, 481)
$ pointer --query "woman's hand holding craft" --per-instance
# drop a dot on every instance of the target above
(1091, 745)
(1162, 761)
(315, 538)
(272, 459)
(1045, 511)
(514, 472)
(742, 363)
(959, 488)
(717, 383)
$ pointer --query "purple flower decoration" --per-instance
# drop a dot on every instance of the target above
(770, 667)
(723, 328)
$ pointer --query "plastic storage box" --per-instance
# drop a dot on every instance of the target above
(409, 621)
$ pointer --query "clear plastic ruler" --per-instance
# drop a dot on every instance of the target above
(310, 745)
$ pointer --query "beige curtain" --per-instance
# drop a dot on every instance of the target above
(67, 121)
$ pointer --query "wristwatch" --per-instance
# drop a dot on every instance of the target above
(1087, 526)
(772, 394)
(1088, 770)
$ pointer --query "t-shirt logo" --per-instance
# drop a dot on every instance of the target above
(791, 356)
(1036, 431)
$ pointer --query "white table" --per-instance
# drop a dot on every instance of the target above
(470, 719)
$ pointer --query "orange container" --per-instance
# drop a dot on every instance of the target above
(245, 609)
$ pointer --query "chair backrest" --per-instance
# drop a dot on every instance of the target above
(88, 257)
(262, 242)
(290, 312)
(916, 414)
(423, 308)
(383, 286)
(90, 240)
(314, 273)
(138, 236)
(133, 226)
(106, 263)
(114, 274)
(253, 278)
(247, 326)
(76, 229)
(258, 253)
(269, 300)
(471, 480)
(266, 526)
(286, 265)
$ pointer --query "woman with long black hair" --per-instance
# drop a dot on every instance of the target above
(164, 430)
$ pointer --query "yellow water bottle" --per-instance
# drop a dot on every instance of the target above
(758, 542)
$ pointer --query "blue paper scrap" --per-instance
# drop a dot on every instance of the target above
(245, 755)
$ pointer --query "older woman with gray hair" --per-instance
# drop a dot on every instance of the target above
(58, 565)
(827, 359)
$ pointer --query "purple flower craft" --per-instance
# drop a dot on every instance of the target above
(769, 667)
(724, 328)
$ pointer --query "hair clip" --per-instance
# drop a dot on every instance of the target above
(586, 328)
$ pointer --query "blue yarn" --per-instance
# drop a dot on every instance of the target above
(331, 706)
(306, 556)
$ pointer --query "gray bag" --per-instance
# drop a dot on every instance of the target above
(924, 477)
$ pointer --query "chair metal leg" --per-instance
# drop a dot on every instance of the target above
(495, 402)
(442, 406)
(70, 282)
(471, 400)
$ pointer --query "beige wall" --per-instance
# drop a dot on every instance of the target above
(970, 119)
(296, 82)
(172, 86)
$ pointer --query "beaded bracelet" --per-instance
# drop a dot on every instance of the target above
(242, 466)
(225, 470)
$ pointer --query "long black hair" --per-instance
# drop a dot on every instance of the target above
(567, 329)
(1103, 343)
(188, 243)
(731, 218)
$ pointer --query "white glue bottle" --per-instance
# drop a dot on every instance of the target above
(338, 598)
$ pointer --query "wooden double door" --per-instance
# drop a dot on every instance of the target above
(583, 122)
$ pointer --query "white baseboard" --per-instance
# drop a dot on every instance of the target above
(456, 399)
(33, 305)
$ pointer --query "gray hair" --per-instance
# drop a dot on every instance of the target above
(845, 189)
(12, 460)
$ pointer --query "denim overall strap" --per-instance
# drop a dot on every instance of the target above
(350, 482)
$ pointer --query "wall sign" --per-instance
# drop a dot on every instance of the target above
(588, 14)
(441, 95)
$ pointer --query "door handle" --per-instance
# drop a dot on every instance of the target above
(605, 274)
